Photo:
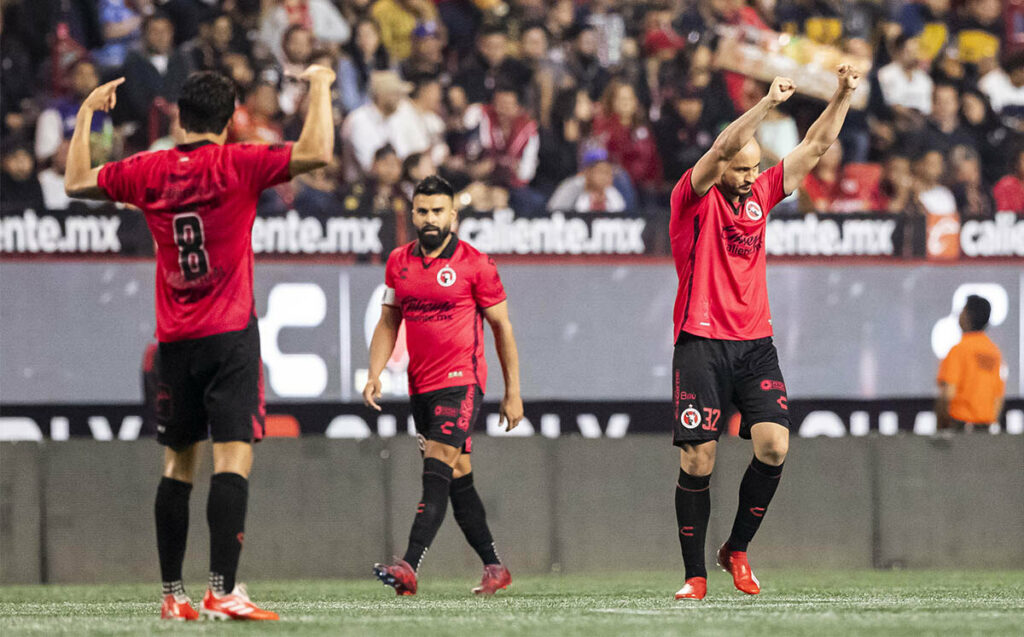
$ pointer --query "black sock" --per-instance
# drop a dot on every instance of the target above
(225, 513)
(171, 511)
(437, 479)
(756, 491)
(469, 513)
(693, 508)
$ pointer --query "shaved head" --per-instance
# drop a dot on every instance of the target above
(741, 172)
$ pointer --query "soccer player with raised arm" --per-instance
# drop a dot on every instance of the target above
(444, 289)
(199, 200)
(723, 330)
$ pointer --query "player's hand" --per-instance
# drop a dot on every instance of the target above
(849, 77)
(511, 412)
(318, 72)
(371, 393)
(103, 97)
(781, 90)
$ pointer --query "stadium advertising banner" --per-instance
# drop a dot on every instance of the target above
(551, 419)
(119, 231)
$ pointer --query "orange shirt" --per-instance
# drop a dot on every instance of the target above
(972, 368)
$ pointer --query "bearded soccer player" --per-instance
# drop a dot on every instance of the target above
(444, 289)
(723, 332)
(199, 200)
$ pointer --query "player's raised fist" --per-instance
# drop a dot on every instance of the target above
(849, 76)
(781, 90)
(103, 97)
(371, 393)
(319, 73)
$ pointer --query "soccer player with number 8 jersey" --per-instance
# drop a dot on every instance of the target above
(199, 201)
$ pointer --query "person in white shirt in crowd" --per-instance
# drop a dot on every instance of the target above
(320, 16)
(427, 98)
(389, 118)
(932, 197)
(1005, 88)
(905, 85)
(591, 190)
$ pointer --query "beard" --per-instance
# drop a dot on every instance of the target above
(432, 241)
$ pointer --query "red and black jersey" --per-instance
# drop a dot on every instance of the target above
(442, 302)
(719, 254)
(200, 203)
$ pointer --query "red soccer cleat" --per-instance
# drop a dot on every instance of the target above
(400, 575)
(735, 563)
(234, 605)
(496, 577)
(178, 608)
(694, 588)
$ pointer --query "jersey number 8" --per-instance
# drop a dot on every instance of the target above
(188, 235)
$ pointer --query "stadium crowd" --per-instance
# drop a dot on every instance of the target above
(585, 105)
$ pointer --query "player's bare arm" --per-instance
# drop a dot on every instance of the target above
(511, 411)
(80, 178)
(710, 167)
(381, 346)
(823, 133)
(315, 146)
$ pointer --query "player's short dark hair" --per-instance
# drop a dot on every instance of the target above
(434, 185)
(207, 102)
(978, 312)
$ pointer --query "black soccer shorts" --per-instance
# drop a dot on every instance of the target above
(211, 387)
(448, 415)
(709, 374)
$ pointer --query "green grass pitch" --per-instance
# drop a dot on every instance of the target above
(791, 603)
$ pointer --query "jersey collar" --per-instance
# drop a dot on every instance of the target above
(447, 253)
(194, 145)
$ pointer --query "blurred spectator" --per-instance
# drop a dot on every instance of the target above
(820, 20)
(216, 39)
(581, 60)
(777, 134)
(256, 120)
(427, 57)
(835, 187)
(942, 130)
(592, 190)
(684, 132)
(505, 149)
(622, 128)
(51, 180)
(561, 16)
(57, 122)
(186, 16)
(398, 19)
(821, 186)
(381, 195)
(415, 168)
(317, 192)
(477, 77)
(237, 67)
(897, 185)
(388, 118)
(153, 70)
(547, 74)
(297, 46)
(928, 21)
(1005, 89)
(571, 119)
(427, 100)
(993, 137)
(1009, 191)
(122, 28)
(319, 16)
(17, 82)
(979, 32)
(906, 88)
(609, 28)
(973, 196)
(363, 55)
(931, 196)
(19, 187)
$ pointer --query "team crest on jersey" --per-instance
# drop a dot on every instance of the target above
(690, 418)
(753, 210)
(446, 277)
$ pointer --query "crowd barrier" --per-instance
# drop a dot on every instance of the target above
(81, 511)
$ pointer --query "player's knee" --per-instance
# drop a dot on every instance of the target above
(698, 460)
(440, 451)
(773, 452)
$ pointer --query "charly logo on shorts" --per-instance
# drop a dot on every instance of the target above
(690, 418)
(446, 276)
(753, 210)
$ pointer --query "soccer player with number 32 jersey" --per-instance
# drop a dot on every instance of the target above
(199, 200)
(723, 334)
